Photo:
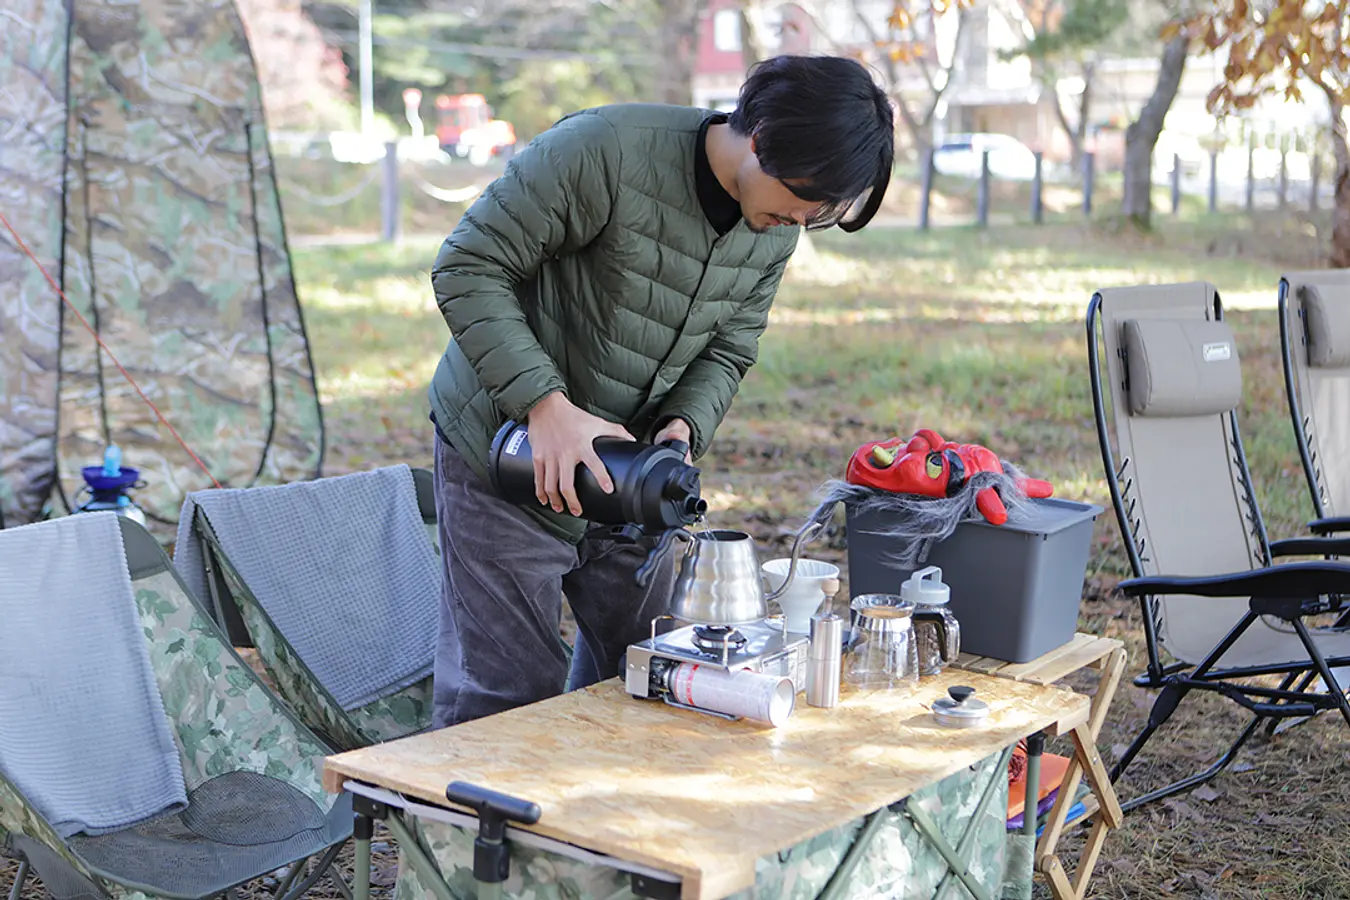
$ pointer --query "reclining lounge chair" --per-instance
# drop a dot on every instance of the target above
(1315, 343)
(1211, 596)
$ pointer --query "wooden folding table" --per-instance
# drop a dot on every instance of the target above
(697, 797)
(1107, 655)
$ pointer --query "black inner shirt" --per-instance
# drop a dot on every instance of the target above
(722, 209)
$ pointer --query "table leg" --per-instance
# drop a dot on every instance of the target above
(363, 829)
(1088, 860)
(1031, 790)
(1086, 758)
(427, 871)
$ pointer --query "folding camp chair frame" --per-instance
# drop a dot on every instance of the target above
(1289, 591)
(143, 552)
(1322, 524)
(229, 595)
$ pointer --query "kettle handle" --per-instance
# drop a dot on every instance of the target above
(945, 637)
(810, 530)
(644, 572)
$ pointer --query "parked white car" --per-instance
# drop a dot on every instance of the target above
(960, 154)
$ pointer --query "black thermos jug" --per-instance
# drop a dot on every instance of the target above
(654, 488)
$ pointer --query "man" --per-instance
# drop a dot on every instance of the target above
(615, 282)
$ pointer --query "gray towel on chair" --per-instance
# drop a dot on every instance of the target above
(342, 565)
(83, 733)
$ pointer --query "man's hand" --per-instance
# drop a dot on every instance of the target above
(561, 435)
(678, 430)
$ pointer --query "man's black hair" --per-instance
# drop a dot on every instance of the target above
(824, 127)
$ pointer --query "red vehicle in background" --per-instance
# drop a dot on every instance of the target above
(465, 128)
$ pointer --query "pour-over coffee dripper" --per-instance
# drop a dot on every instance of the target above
(814, 583)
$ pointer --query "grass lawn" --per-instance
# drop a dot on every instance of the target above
(978, 334)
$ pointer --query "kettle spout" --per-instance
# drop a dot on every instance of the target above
(809, 531)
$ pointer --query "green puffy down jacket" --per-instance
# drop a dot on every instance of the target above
(589, 267)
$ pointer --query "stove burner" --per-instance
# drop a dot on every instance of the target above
(715, 639)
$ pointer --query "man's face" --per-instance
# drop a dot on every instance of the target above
(767, 202)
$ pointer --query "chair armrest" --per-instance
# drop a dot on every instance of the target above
(1329, 525)
(1314, 546)
(1287, 580)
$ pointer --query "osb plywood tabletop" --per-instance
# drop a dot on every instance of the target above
(698, 796)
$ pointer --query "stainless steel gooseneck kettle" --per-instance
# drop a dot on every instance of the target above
(719, 580)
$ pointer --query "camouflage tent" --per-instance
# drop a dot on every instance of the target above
(134, 164)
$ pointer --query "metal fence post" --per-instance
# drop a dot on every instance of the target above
(1213, 181)
(1037, 201)
(983, 202)
(1315, 186)
(926, 189)
(389, 194)
(1251, 172)
(1176, 183)
(1284, 178)
(1088, 171)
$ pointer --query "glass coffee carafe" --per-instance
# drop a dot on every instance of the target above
(883, 650)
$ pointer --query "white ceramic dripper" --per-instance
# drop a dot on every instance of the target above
(815, 581)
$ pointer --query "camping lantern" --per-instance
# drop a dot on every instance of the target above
(108, 484)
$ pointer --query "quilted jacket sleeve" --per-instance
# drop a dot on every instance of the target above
(704, 392)
(554, 198)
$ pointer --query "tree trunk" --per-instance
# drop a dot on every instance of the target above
(1340, 214)
(1079, 138)
(1142, 135)
(678, 42)
(754, 42)
(1075, 145)
(920, 127)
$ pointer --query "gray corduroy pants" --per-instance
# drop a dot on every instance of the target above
(502, 586)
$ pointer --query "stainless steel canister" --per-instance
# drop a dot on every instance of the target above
(824, 659)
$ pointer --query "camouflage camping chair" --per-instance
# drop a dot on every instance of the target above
(405, 712)
(251, 771)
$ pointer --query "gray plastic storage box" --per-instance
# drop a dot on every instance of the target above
(1015, 587)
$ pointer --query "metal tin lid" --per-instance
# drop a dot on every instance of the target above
(960, 709)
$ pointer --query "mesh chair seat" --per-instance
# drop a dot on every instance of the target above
(236, 827)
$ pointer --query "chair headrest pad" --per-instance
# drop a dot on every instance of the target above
(1181, 367)
(1326, 314)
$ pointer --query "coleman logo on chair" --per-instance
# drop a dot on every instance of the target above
(1217, 352)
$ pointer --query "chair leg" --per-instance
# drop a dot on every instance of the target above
(1284, 685)
(285, 883)
(1198, 779)
(319, 870)
(336, 879)
(19, 878)
(1166, 704)
(1333, 687)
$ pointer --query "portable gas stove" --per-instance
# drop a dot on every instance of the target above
(757, 646)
